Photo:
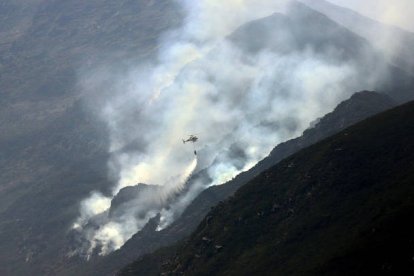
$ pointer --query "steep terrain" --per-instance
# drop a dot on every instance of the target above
(303, 29)
(396, 43)
(357, 108)
(340, 207)
(53, 151)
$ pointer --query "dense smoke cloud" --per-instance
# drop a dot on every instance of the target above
(240, 103)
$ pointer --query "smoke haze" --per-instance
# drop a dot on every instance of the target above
(397, 12)
(209, 82)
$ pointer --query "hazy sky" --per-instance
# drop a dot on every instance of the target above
(396, 12)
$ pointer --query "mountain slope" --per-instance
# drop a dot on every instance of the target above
(348, 48)
(303, 29)
(54, 154)
(340, 207)
(396, 43)
(300, 30)
(358, 107)
(53, 151)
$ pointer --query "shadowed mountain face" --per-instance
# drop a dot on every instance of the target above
(340, 207)
(300, 30)
(357, 108)
(53, 150)
(129, 194)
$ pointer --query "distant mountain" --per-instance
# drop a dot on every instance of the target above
(303, 29)
(340, 207)
(395, 42)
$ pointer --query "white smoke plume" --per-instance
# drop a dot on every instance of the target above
(240, 105)
(107, 232)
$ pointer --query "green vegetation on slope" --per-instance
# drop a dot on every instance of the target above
(341, 207)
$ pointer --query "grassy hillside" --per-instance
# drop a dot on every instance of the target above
(341, 207)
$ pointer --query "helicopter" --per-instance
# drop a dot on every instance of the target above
(191, 138)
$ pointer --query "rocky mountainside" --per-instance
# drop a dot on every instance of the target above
(54, 152)
(301, 29)
(296, 33)
(359, 107)
(340, 207)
